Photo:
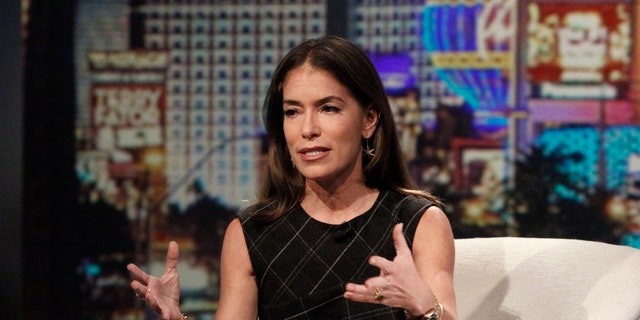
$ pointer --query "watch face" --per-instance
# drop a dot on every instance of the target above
(430, 315)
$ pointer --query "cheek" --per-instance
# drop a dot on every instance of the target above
(289, 135)
(350, 136)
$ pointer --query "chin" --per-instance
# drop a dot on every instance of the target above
(311, 173)
(316, 176)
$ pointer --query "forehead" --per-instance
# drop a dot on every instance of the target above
(307, 79)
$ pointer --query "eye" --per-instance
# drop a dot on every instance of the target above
(330, 109)
(290, 112)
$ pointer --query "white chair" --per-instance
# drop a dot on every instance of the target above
(507, 278)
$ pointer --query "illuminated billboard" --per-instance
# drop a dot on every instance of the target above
(578, 50)
(471, 45)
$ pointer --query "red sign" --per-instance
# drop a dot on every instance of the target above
(578, 50)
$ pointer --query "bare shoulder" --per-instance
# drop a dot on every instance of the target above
(434, 233)
(234, 229)
(435, 217)
(234, 245)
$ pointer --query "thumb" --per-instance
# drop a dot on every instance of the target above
(399, 241)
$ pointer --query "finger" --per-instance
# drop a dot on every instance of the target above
(140, 289)
(361, 293)
(399, 241)
(355, 288)
(173, 254)
(383, 264)
(401, 246)
(138, 274)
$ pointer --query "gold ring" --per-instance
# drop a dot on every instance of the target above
(378, 294)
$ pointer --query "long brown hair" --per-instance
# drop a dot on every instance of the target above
(283, 186)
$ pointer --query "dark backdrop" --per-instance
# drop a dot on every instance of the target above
(11, 163)
(49, 219)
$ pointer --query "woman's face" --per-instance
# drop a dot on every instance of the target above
(323, 126)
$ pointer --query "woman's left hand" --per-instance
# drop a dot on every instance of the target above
(398, 285)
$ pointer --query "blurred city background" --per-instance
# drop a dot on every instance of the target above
(143, 125)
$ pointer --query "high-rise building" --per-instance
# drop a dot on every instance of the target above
(222, 55)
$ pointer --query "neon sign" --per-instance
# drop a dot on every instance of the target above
(471, 45)
(395, 71)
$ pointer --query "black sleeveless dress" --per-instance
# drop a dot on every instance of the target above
(302, 265)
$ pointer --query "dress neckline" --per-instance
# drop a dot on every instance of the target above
(355, 218)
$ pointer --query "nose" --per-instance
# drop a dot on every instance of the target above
(310, 126)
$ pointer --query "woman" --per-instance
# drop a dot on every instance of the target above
(338, 231)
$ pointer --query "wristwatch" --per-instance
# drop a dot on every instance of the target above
(432, 314)
(435, 313)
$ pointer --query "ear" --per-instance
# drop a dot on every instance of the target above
(370, 121)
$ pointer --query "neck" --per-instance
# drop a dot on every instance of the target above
(340, 204)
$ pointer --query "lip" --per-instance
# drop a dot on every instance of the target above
(313, 153)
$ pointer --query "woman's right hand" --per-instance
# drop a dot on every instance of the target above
(162, 294)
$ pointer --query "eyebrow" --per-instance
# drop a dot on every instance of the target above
(319, 102)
